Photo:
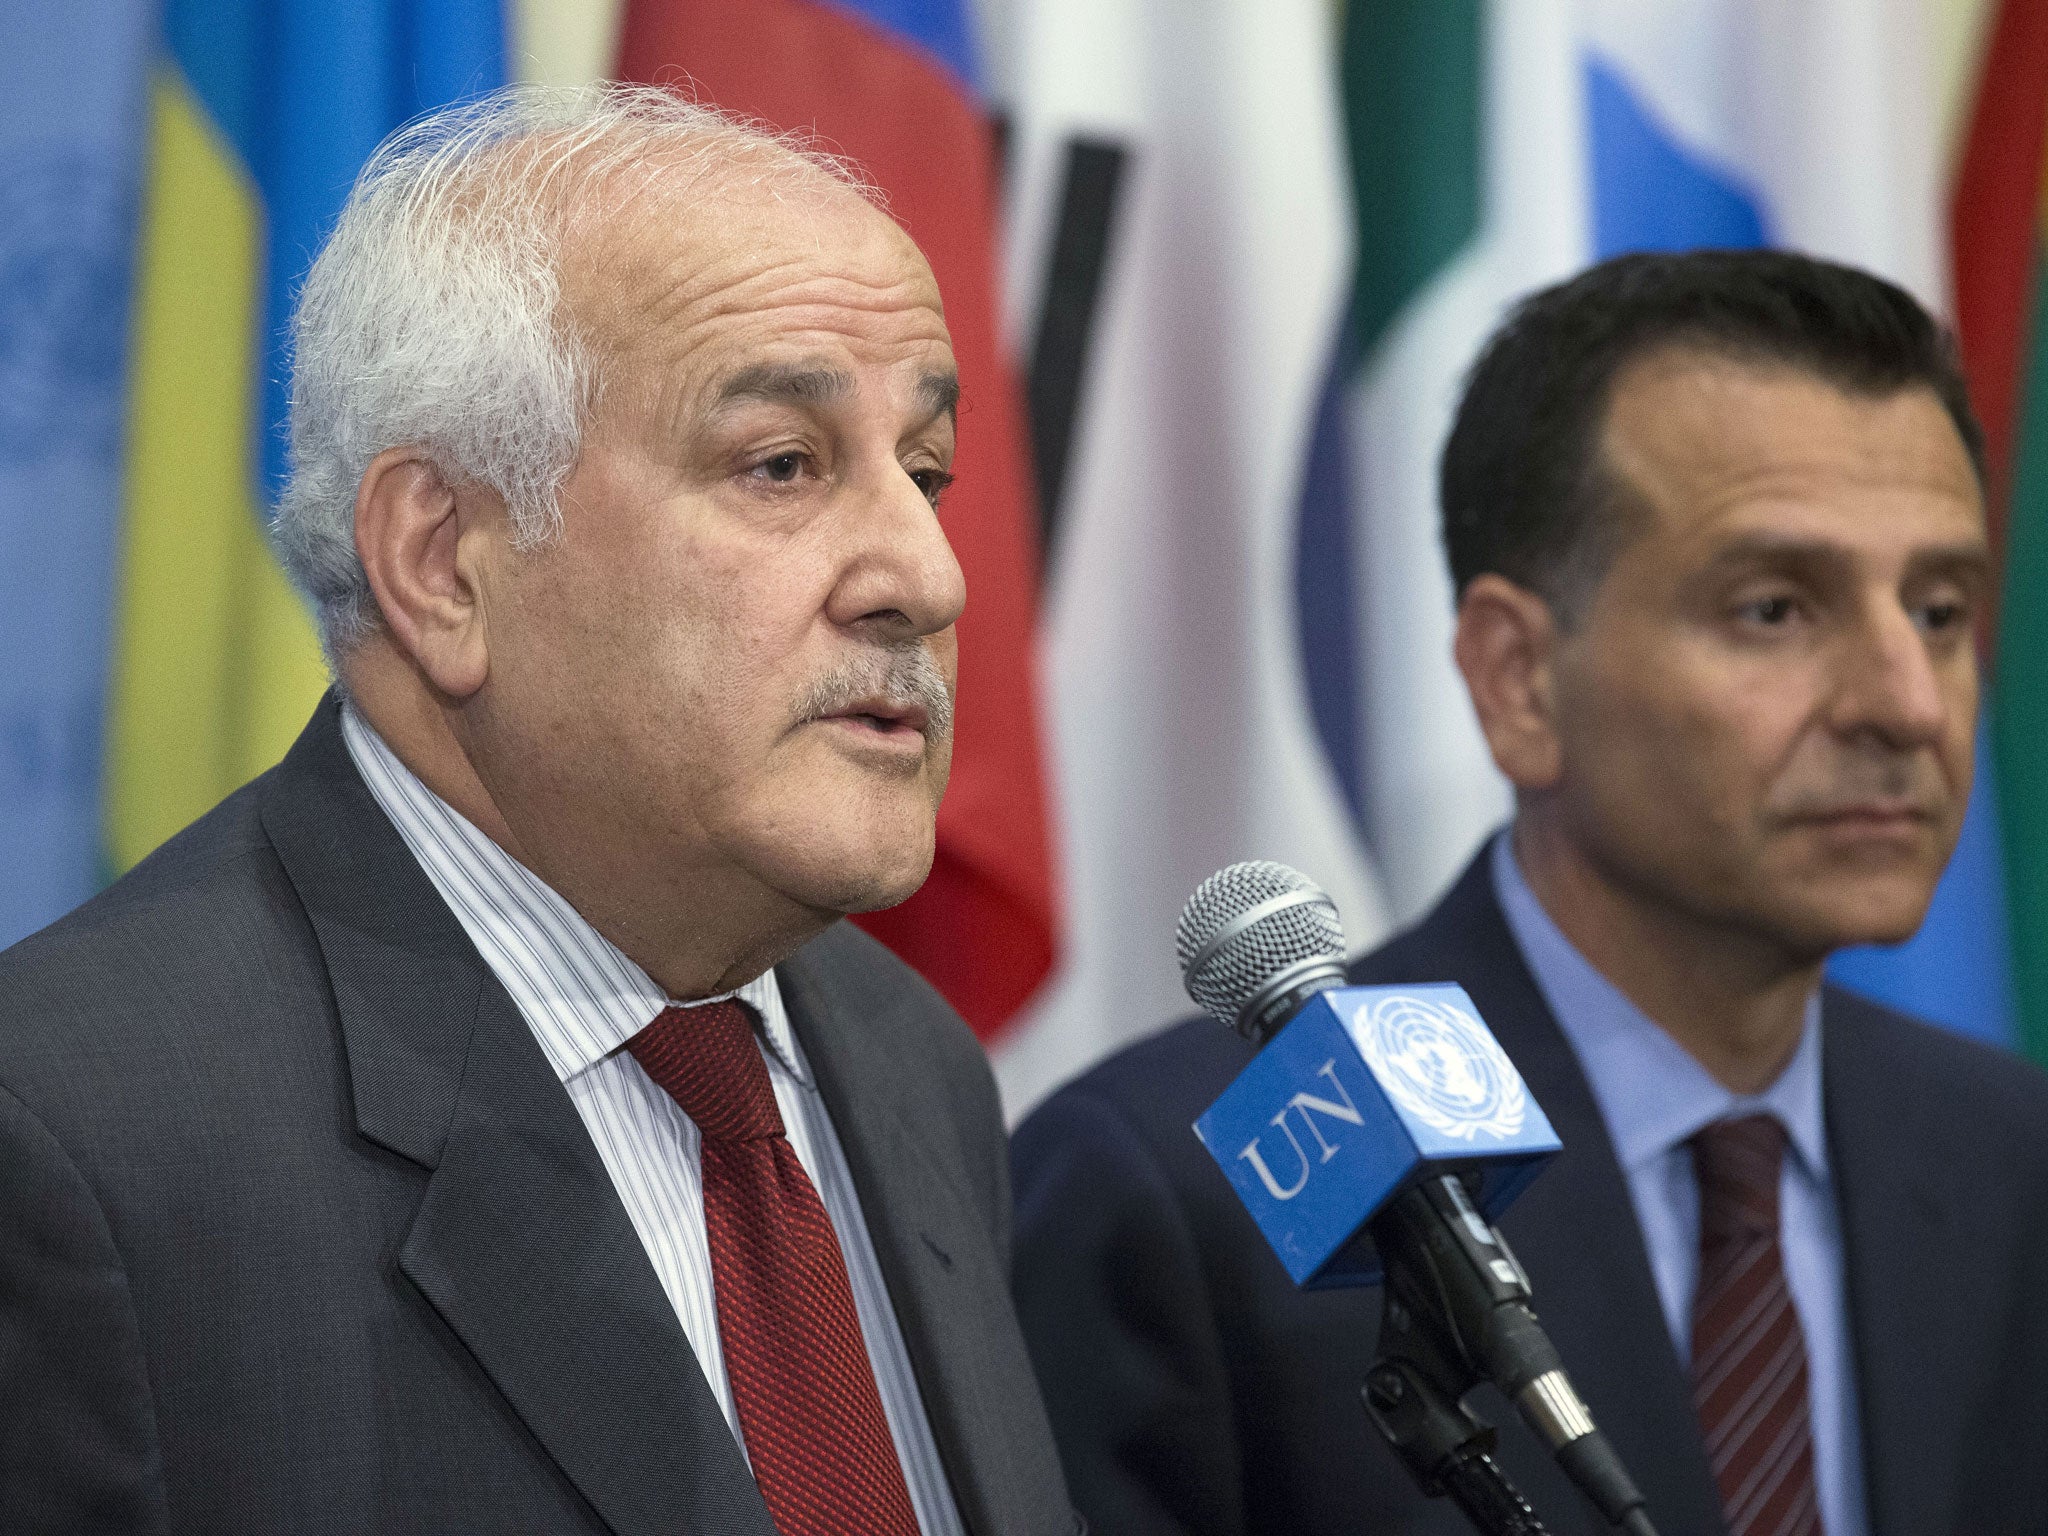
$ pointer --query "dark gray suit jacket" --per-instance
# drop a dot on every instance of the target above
(1196, 1392)
(299, 1232)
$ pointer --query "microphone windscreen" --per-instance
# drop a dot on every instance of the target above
(1247, 924)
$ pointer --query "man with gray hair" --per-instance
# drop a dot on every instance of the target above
(482, 1122)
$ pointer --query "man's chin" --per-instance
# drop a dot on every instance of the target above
(839, 840)
(1836, 893)
(867, 881)
(883, 892)
(1884, 913)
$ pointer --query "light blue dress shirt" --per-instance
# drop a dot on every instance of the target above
(1654, 1096)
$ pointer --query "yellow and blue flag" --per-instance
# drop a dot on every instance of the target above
(261, 113)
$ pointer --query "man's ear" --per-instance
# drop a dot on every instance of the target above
(1506, 648)
(419, 539)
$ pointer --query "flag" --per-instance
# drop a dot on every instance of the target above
(1181, 251)
(1468, 166)
(894, 84)
(71, 125)
(1999, 222)
(260, 116)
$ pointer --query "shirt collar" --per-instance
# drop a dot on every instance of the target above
(764, 996)
(1653, 1095)
(580, 994)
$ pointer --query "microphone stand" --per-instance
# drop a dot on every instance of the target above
(1456, 1314)
(1415, 1396)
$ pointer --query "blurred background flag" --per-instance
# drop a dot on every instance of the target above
(262, 111)
(71, 125)
(2000, 219)
(1180, 254)
(1467, 164)
(895, 85)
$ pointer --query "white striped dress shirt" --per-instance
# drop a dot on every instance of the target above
(584, 1000)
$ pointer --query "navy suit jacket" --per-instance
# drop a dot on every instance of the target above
(1195, 1392)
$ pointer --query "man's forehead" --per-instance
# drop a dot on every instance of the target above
(751, 297)
(1705, 440)
(726, 243)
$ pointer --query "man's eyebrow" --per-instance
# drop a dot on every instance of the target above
(1963, 557)
(939, 393)
(1777, 549)
(782, 382)
(1969, 559)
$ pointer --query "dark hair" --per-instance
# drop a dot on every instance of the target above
(1522, 485)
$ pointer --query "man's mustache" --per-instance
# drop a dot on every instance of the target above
(1912, 778)
(900, 673)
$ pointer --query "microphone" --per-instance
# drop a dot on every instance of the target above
(1374, 1139)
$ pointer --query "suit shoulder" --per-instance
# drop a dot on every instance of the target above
(1415, 955)
(199, 940)
(1463, 936)
(194, 860)
(1156, 1088)
(1977, 1092)
(865, 976)
(906, 1028)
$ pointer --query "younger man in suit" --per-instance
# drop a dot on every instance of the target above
(1716, 527)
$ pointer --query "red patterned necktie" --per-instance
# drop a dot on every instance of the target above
(801, 1379)
(1748, 1353)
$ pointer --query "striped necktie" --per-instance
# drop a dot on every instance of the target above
(1748, 1353)
(801, 1379)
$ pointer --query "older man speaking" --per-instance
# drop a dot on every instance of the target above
(482, 1122)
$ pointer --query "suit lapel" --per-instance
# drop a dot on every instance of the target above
(1575, 1229)
(945, 1281)
(522, 1246)
(1900, 1249)
(520, 1242)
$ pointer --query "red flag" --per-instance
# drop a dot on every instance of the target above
(1994, 230)
(981, 929)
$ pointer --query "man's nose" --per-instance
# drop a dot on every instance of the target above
(901, 572)
(1890, 683)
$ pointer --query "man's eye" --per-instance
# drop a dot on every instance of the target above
(1770, 611)
(782, 469)
(1941, 617)
(932, 482)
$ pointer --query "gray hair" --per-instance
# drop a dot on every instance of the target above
(433, 317)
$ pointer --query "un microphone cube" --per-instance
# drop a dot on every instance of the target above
(1366, 1091)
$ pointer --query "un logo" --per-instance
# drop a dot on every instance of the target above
(1440, 1065)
